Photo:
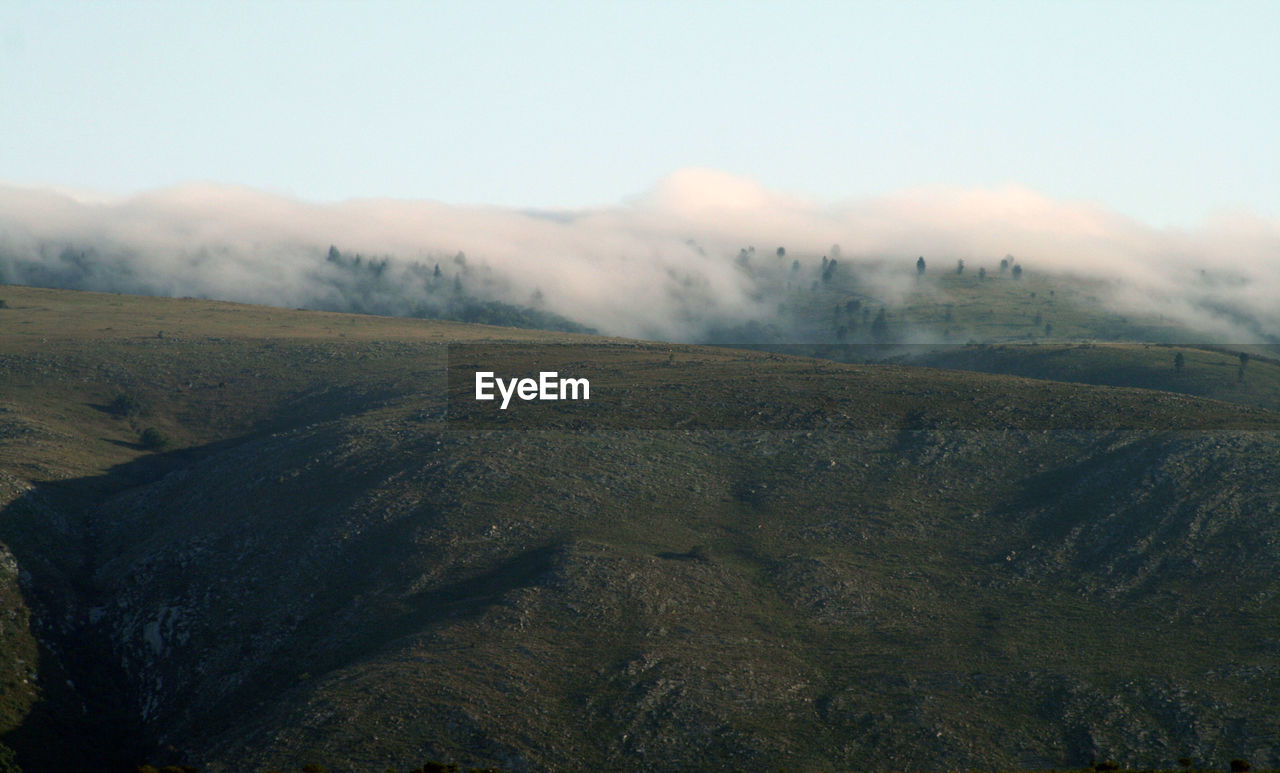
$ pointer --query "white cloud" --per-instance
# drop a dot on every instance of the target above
(661, 264)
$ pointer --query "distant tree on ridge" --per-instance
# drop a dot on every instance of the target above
(880, 327)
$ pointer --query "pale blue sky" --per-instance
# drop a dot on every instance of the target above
(1164, 111)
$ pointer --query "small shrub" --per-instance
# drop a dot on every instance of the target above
(8, 759)
(125, 404)
(153, 439)
(1240, 766)
(3, 304)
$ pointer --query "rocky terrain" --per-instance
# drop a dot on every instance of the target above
(851, 567)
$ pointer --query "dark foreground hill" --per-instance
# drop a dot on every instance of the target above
(850, 567)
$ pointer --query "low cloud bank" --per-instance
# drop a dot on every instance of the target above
(673, 263)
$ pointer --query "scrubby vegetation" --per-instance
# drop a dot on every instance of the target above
(764, 562)
(153, 439)
(1185, 765)
(125, 405)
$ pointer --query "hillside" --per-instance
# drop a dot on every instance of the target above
(1248, 375)
(869, 300)
(729, 559)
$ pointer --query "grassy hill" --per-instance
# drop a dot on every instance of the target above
(819, 305)
(1216, 372)
(738, 560)
(1042, 326)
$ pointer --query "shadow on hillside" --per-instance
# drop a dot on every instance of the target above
(85, 717)
(320, 646)
(124, 444)
(89, 714)
(330, 403)
(54, 532)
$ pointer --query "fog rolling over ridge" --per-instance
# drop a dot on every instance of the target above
(694, 259)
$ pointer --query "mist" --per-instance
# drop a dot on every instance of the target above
(694, 259)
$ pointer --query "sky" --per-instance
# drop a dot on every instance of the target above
(1164, 112)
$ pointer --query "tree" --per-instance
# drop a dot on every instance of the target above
(782, 252)
(1004, 263)
(125, 404)
(880, 327)
(828, 270)
(960, 266)
(153, 439)
(1017, 272)
(1179, 362)
(982, 274)
(920, 265)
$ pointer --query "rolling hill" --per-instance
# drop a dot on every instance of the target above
(325, 553)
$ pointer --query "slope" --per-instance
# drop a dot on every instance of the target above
(844, 566)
